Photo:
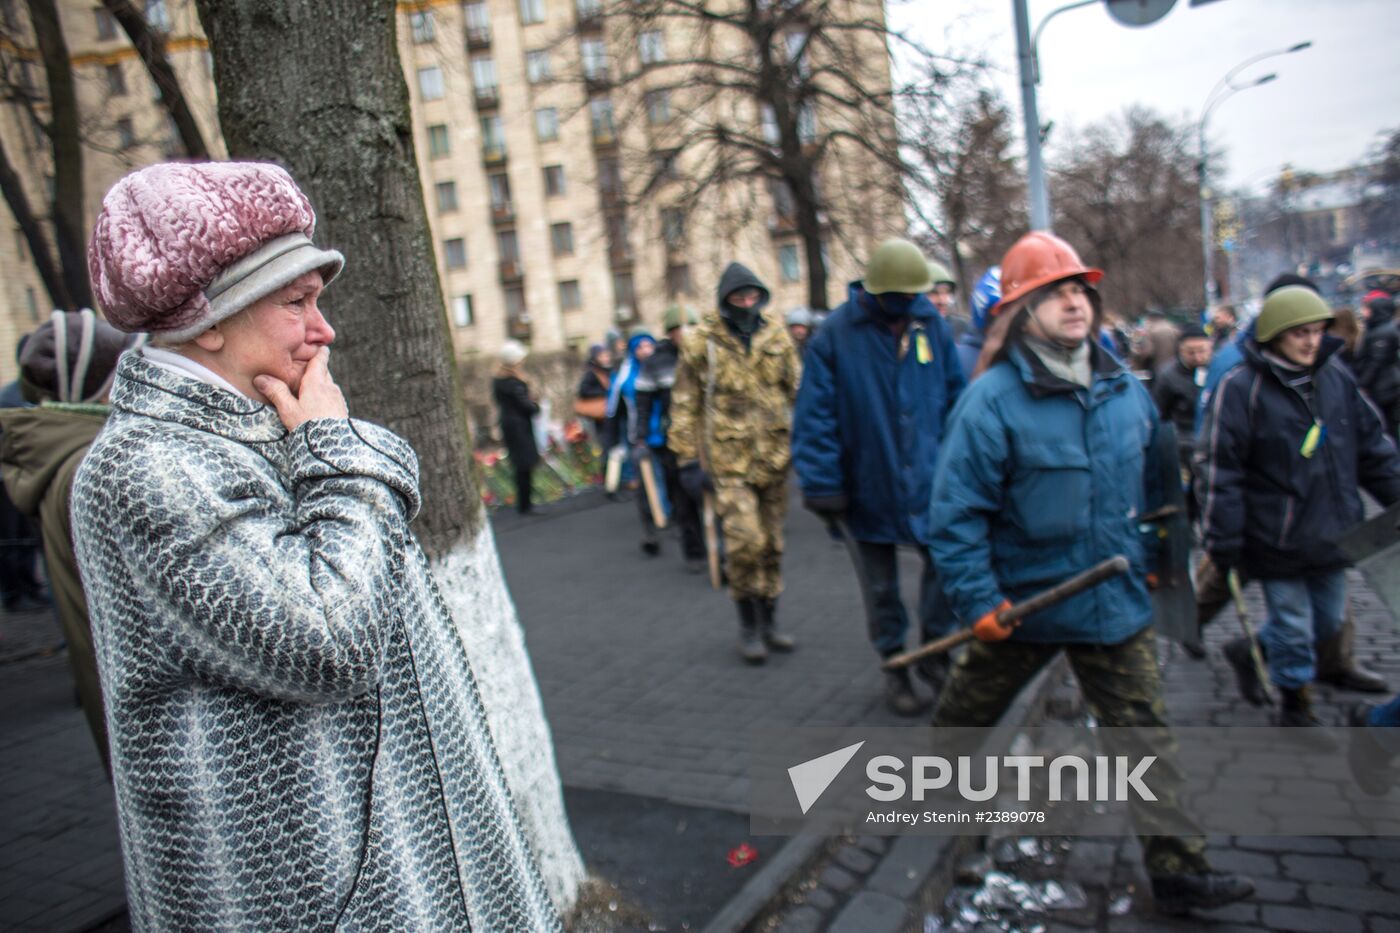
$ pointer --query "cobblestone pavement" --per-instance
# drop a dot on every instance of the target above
(645, 693)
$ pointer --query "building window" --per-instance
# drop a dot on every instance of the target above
(454, 253)
(624, 293)
(439, 142)
(116, 80)
(651, 46)
(797, 54)
(619, 237)
(493, 137)
(784, 203)
(610, 178)
(547, 124)
(515, 304)
(554, 181)
(587, 9)
(508, 246)
(562, 238)
(537, 68)
(462, 311)
(430, 83)
(788, 265)
(484, 75)
(498, 183)
(422, 24)
(673, 227)
(769, 127)
(678, 280)
(478, 18)
(531, 11)
(595, 59)
(446, 196)
(32, 301)
(570, 297)
(663, 165)
(126, 135)
(601, 110)
(658, 107)
(157, 15)
(806, 124)
(106, 25)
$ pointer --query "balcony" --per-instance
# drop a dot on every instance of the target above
(604, 139)
(597, 81)
(624, 313)
(511, 270)
(488, 98)
(493, 154)
(620, 258)
(590, 21)
(782, 224)
(478, 37)
(502, 213)
(518, 327)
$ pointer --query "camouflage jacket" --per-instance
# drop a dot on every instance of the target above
(739, 414)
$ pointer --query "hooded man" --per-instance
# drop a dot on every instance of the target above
(1288, 440)
(1178, 386)
(1047, 463)
(65, 369)
(731, 420)
(880, 379)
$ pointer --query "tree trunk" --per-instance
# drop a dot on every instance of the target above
(69, 211)
(809, 225)
(49, 271)
(150, 45)
(318, 86)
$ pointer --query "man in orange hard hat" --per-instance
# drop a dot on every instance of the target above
(1048, 461)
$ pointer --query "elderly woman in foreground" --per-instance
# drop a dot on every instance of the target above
(297, 740)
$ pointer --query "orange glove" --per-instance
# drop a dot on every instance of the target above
(988, 628)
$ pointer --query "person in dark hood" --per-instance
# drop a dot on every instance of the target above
(1378, 361)
(66, 370)
(654, 386)
(517, 405)
(731, 422)
(1288, 440)
(591, 399)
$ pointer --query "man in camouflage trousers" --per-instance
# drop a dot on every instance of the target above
(731, 419)
(1046, 464)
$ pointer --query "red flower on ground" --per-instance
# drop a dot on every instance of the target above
(743, 855)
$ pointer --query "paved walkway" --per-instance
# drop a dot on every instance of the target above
(645, 693)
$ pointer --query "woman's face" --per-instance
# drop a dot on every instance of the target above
(644, 349)
(278, 335)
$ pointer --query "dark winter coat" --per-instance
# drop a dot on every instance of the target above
(1268, 507)
(1378, 362)
(39, 456)
(1175, 391)
(517, 409)
(1040, 479)
(870, 415)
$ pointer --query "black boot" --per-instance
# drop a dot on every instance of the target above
(1246, 674)
(780, 642)
(1336, 663)
(651, 544)
(899, 694)
(750, 644)
(1369, 761)
(1177, 895)
(1297, 712)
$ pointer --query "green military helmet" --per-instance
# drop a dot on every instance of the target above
(940, 275)
(898, 267)
(677, 316)
(1290, 306)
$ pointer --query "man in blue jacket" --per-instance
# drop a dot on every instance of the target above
(1044, 473)
(880, 377)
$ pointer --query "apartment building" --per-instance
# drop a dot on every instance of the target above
(533, 165)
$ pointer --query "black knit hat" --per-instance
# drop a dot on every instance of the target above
(1288, 278)
(1194, 332)
(72, 358)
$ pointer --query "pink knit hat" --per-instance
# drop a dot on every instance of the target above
(180, 246)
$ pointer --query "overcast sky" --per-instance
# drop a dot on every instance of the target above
(1323, 112)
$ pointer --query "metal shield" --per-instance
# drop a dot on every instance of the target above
(1167, 533)
(1374, 546)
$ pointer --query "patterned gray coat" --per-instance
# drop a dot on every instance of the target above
(297, 740)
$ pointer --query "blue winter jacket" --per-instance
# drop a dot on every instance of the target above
(1041, 479)
(870, 415)
(1225, 358)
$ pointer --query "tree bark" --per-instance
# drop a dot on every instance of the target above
(317, 85)
(49, 272)
(69, 210)
(334, 111)
(150, 45)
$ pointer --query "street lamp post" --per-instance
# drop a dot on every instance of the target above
(1229, 88)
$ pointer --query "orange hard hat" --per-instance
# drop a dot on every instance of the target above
(1037, 259)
